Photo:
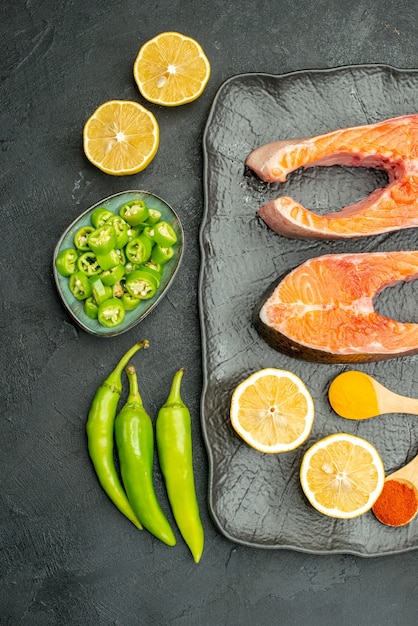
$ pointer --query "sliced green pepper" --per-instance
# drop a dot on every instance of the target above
(141, 284)
(147, 232)
(113, 275)
(157, 267)
(81, 238)
(161, 255)
(121, 229)
(163, 234)
(91, 308)
(108, 260)
(130, 302)
(117, 290)
(149, 269)
(102, 239)
(100, 292)
(134, 212)
(116, 247)
(79, 285)
(154, 216)
(131, 267)
(138, 250)
(122, 256)
(100, 216)
(133, 232)
(88, 264)
(111, 313)
(66, 262)
(109, 291)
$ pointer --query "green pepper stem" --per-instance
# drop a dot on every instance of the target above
(114, 377)
(174, 397)
(134, 397)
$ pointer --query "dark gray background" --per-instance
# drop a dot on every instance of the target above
(68, 556)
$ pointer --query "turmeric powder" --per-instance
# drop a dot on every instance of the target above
(352, 395)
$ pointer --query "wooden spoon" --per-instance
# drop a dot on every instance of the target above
(408, 472)
(357, 396)
(400, 506)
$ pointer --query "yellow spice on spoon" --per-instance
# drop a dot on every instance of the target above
(356, 396)
(352, 395)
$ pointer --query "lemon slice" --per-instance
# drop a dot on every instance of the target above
(121, 137)
(272, 411)
(171, 69)
(342, 475)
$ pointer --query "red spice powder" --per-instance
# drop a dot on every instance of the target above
(397, 503)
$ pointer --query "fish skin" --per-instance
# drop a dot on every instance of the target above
(390, 145)
(323, 310)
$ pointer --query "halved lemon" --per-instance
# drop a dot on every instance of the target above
(171, 69)
(121, 137)
(342, 475)
(272, 411)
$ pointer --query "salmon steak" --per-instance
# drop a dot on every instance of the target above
(391, 145)
(323, 309)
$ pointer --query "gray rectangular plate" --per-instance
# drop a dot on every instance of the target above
(256, 499)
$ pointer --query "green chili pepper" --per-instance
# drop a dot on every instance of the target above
(138, 250)
(66, 262)
(102, 239)
(131, 267)
(122, 256)
(113, 275)
(111, 312)
(174, 444)
(161, 255)
(121, 229)
(130, 302)
(147, 232)
(117, 290)
(163, 234)
(133, 232)
(88, 264)
(156, 267)
(154, 216)
(141, 284)
(134, 212)
(100, 291)
(91, 307)
(135, 445)
(108, 260)
(109, 292)
(100, 216)
(81, 238)
(100, 433)
(79, 285)
(149, 269)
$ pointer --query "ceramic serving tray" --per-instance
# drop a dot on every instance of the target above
(256, 499)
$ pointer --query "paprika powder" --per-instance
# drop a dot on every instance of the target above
(397, 504)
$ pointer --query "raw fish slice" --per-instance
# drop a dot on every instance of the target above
(323, 309)
(391, 145)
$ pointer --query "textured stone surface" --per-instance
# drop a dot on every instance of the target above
(68, 556)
